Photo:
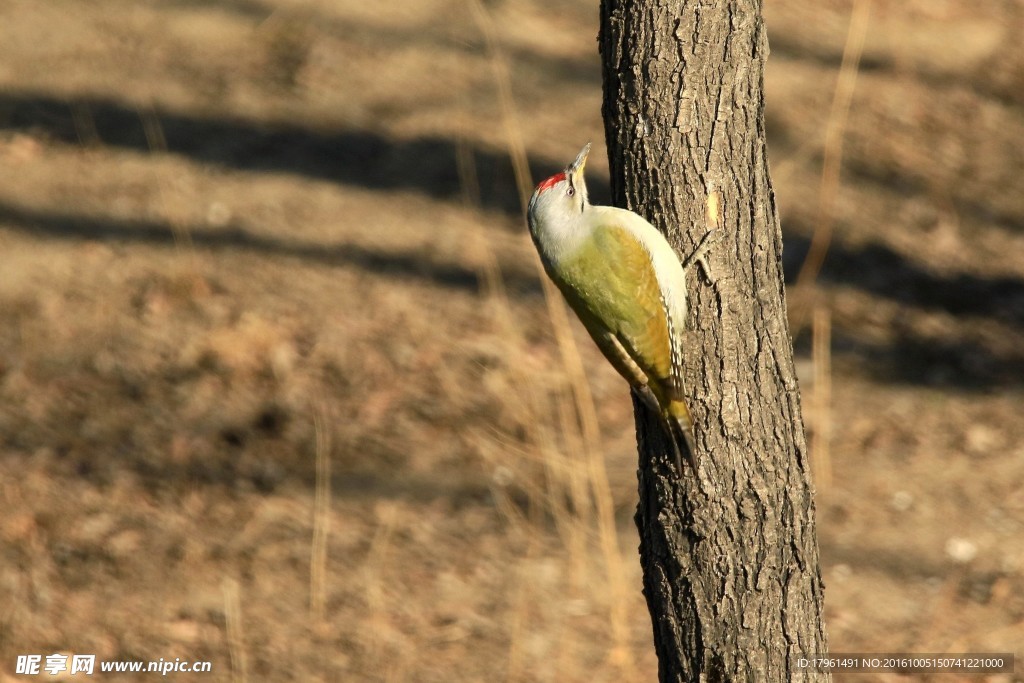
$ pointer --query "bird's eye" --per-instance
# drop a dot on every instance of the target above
(570, 191)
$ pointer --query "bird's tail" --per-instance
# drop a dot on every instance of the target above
(680, 432)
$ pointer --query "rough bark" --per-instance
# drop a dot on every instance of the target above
(729, 555)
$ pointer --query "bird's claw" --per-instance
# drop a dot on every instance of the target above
(698, 254)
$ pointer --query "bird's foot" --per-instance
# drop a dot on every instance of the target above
(698, 254)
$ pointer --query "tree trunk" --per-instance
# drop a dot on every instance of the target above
(729, 555)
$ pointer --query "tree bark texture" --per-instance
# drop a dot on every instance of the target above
(729, 554)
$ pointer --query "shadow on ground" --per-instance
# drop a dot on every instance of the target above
(351, 157)
(883, 272)
(403, 265)
(912, 357)
(429, 165)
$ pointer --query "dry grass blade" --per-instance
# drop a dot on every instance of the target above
(85, 124)
(821, 239)
(233, 622)
(321, 518)
(375, 582)
(510, 122)
(157, 142)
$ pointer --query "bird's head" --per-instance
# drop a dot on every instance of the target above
(563, 196)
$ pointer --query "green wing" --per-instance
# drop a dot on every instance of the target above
(611, 284)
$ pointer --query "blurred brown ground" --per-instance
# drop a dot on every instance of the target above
(222, 223)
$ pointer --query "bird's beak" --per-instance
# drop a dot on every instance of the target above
(575, 170)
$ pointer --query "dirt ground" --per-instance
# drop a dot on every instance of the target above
(278, 383)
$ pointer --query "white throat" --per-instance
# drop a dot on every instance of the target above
(557, 233)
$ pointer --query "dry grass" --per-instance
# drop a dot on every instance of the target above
(235, 632)
(576, 471)
(281, 385)
(321, 518)
(802, 296)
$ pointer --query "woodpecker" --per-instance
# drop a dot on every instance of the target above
(628, 288)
